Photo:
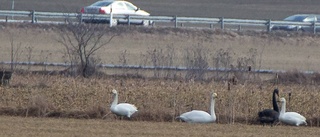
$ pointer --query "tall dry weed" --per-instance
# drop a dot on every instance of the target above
(156, 99)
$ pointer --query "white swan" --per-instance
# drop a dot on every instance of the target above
(122, 109)
(291, 118)
(199, 116)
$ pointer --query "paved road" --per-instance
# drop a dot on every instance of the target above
(249, 9)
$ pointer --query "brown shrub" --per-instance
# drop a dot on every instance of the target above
(297, 77)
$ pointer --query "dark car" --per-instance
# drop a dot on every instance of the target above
(311, 18)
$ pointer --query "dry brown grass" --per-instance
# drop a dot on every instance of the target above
(16, 126)
(160, 100)
(157, 100)
(279, 51)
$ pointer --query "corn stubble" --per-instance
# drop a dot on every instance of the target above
(157, 100)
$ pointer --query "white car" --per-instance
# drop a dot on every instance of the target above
(116, 7)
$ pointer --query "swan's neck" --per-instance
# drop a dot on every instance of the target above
(283, 108)
(115, 100)
(274, 102)
(212, 113)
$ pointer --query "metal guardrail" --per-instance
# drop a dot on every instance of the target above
(56, 18)
(175, 68)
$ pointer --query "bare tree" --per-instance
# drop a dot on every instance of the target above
(81, 41)
(15, 51)
(196, 60)
(222, 60)
(160, 58)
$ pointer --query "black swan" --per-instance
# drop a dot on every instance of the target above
(270, 115)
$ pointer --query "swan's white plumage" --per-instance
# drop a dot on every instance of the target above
(199, 116)
(122, 109)
(291, 118)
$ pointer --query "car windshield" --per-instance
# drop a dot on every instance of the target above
(295, 18)
(130, 6)
(101, 3)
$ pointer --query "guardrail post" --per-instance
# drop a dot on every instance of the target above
(222, 22)
(239, 28)
(175, 21)
(111, 20)
(6, 18)
(211, 26)
(80, 18)
(269, 25)
(129, 20)
(314, 27)
(33, 17)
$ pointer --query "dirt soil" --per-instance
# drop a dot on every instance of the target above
(39, 127)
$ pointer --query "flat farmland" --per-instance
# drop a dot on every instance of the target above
(285, 52)
(154, 98)
(39, 127)
(275, 51)
(66, 106)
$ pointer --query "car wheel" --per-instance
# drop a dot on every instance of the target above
(301, 30)
(145, 23)
(114, 22)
